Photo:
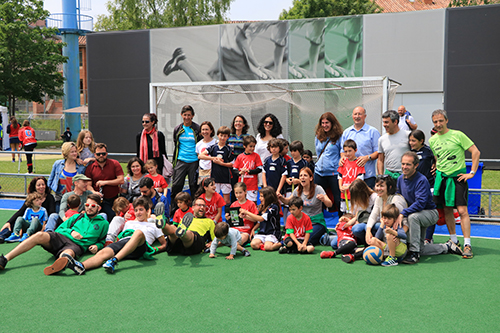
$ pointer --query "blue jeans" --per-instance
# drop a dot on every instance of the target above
(318, 231)
(359, 230)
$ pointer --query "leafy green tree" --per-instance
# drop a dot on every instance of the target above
(29, 55)
(465, 3)
(326, 8)
(150, 14)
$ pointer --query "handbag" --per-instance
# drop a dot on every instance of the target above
(168, 169)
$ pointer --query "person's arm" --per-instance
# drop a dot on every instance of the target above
(64, 206)
(213, 248)
(17, 214)
(245, 214)
(362, 160)
(475, 164)
(380, 163)
(161, 144)
(264, 179)
(163, 244)
(218, 215)
(422, 193)
(325, 199)
(112, 182)
(283, 199)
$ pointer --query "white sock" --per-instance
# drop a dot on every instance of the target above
(454, 238)
(466, 241)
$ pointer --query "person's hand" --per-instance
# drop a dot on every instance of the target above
(342, 161)
(227, 216)
(76, 235)
(93, 249)
(230, 257)
(80, 161)
(289, 180)
(398, 222)
(302, 247)
(368, 237)
(391, 231)
(362, 160)
(464, 176)
(212, 255)
(252, 234)
(127, 216)
(100, 183)
(296, 181)
(321, 197)
(243, 213)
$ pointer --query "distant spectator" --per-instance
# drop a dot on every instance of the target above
(66, 136)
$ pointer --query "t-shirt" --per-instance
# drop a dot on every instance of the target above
(132, 187)
(402, 122)
(86, 153)
(187, 146)
(298, 227)
(42, 215)
(70, 212)
(344, 234)
(252, 208)
(292, 170)
(150, 231)
(348, 173)
(110, 171)
(201, 146)
(449, 150)
(158, 181)
(236, 142)
(65, 182)
(179, 214)
(204, 227)
(231, 240)
(393, 147)
(274, 170)
(213, 206)
(312, 206)
(271, 224)
(250, 162)
(221, 174)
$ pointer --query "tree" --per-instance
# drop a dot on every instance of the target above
(29, 55)
(326, 8)
(465, 3)
(150, 14)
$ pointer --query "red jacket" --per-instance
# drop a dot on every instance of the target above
(27, 135)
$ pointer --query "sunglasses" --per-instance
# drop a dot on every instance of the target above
(101, 154)
(91, 205)
(146, 121)
(268, 122)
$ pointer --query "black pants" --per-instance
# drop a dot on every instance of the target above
(181, 170)
(29, 157)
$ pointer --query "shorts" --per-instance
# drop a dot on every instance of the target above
(301, 241)
(225, 188)
(137, 254)
(343, 206)
(14, 140)
(400, 249)
(177, 247)
(203, 174)
(267, 238)
(252, 195)
(60, 243)
(461, 193)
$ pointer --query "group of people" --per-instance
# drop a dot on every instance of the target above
(386, 190)
(21, 137)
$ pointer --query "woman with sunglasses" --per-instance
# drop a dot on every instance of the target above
(269, 128)
(385, 188)
(150, 141)
(61, 177)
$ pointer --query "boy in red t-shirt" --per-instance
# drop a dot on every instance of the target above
(345, 241)
(249, 166)
(248, 229)
(183, 201)
(160, 184)
(298, 229)
(348, 172)
(73, 203)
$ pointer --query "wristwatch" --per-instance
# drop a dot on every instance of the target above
(370, 157)
(472, 172)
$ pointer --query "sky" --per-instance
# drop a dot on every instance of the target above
(241, 10)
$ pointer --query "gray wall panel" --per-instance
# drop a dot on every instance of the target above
(408, 47)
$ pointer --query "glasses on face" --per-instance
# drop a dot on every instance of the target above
(200, 205)
(146, 121)
(238, 122)
(268, 122)
(91, 205)
(100, 154)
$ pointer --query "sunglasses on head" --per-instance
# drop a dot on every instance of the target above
(146, 121)
(100, 154)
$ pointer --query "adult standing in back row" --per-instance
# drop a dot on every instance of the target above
(151, 142)
(185, 160)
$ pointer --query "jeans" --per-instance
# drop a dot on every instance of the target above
(359, 230)
(26, 226)
(418, 223)
(318, 231)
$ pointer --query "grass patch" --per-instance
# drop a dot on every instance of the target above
(49, 144)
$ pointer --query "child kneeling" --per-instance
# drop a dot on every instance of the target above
(387, 237)
(230, 237)
(346, 243)
(298, 229)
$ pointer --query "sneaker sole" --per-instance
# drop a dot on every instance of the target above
(159, 223)
(187, 220)
(56, 267)
(109, 269)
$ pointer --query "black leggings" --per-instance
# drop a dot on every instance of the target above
(29, 157)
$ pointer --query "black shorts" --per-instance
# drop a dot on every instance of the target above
(60, 243)
(461, 193)
(294, 248)
(177, 247)
(14, 140)
(137, 254)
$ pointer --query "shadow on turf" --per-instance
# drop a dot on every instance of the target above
(195, 260)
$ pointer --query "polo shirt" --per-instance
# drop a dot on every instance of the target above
(110, 171)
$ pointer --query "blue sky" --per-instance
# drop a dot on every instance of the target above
(251, 10)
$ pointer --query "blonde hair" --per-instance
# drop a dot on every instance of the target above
(119, 205)
(79, 142)
(66, 148)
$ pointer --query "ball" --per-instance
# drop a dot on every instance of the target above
(373, 255)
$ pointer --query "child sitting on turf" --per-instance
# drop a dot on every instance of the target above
(183, 201)
(392, 242)
(135, 242)
(34, 219)
(215, 202)
(298, 229)
(229, 237)
(268, 220)
(346, 242)
(73, 203)
(222, 158)
(124, 211)
(274, 166)
(348, 172)
(249, 165)
(160, 184)
(248, 229)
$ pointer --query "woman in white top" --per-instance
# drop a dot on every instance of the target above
(207, 132)
(269, 128)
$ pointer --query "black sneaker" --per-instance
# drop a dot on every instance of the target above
(74, 265)
(3, 262)
(246, 253)
(283, 250)
(453, 248)
(412, 258)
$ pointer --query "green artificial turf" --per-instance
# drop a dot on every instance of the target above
(262, 293)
